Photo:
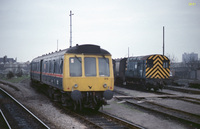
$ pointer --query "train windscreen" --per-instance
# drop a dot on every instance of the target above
(104, 67)
(75, 66)
(90, 66)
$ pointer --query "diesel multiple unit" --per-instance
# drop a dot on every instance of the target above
(144, 71)
(80, 76)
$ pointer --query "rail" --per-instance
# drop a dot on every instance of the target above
(25, 109)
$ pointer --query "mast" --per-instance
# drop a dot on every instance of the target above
(71, 28)
(128, 52)
(163, 40)
(57, 44)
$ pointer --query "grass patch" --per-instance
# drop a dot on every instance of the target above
(16, 79)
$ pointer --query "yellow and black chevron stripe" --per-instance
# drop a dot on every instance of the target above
(155, 67)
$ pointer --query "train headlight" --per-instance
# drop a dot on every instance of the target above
(75, 85)
(104, 85)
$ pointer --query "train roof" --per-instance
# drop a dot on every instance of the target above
(145, 57)
(89, 49)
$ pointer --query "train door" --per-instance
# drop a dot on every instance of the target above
(41, 68)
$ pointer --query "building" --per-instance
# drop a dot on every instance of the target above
(10, 65)
(189, 57)
(189, 68)
(5, 60)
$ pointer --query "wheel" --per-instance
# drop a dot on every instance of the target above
(64, 100)
(149, 88)
(50, 93)
(97, 107)
(77, 106)
(155, 89)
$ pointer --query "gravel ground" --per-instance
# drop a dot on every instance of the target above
(54, 118)
(42, 107)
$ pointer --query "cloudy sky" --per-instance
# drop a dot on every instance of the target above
(29, 28)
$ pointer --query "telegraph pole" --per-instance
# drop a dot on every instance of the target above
(163, 40)
(57, 44)
(71, 28)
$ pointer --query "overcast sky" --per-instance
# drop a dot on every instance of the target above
(30, 28)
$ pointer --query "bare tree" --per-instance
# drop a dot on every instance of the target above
(172, 58)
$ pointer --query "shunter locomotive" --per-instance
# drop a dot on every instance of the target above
(79, 77)
(142, 71)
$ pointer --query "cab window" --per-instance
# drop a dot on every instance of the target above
(90, 66)
(150, 63)
(165, 64)
(104, 67)
(75, 66)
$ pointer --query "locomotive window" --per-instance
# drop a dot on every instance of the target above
(150, 63)
(165, 64)
(117, 67)
(104, 67)
(75, 66)
(136, 65)
(90, 66)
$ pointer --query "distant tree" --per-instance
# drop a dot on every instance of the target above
(172, 58)
(19, 74)
(10, 75)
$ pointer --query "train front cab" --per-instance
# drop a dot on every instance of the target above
(157, 70)
(88, 78)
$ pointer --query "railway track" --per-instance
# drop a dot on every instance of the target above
(184, 90)
(94, 119)
(99, 119)
(191, 118)
(191, 100)
(4, 123)
(104, 120)
(175, 97)
(15, 115)
(169, 95)
(183, 98)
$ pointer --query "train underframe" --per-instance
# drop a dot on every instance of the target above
(142, 83)
(74, 100)
(78, 100)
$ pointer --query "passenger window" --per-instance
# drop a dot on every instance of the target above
(50, 66)
(61, 66)
(75, 66)
(90, 66)
(54, 67)
(47, 67)
(44, 67)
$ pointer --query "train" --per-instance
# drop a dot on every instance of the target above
(146, 72)
(79, 77)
